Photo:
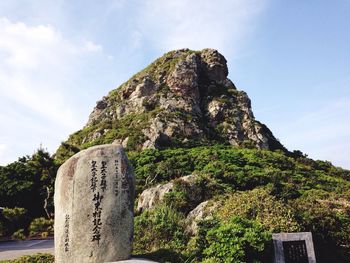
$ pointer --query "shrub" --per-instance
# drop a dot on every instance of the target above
(236, 240)
(19, 235)
(259, 205)
(14, 219)
(37, 258)
(14, 214)
(184, 197)
(41, 226)
(325, 215)
(159, 228)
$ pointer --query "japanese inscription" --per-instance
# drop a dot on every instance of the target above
(97, 198)
(124, 177)
(96, 215)
(103, 176)
(295, 251)
(116, 165)
(93, 176)
(66, 233)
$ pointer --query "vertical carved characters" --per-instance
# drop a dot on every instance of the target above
(116, 167)
(97, 198)
(93, 176)
(103, 176)
(66, 233)
(96, 215)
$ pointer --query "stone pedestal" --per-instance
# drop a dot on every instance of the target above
(94, 201)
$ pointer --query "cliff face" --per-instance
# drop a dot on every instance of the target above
(182, 99)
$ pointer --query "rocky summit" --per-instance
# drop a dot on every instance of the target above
(183, 99)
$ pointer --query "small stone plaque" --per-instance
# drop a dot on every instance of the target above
(294, 248)
(94, 201)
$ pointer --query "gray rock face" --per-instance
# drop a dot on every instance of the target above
(94, 199)
(203, 211)
(182, 99)
(150, 197)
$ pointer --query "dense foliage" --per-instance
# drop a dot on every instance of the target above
(165, 227)
(37, 258)
(260, 205)
(276, 191)
(26, 191)
(236, 240)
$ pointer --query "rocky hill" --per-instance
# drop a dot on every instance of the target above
(183, 99)
(212, 183)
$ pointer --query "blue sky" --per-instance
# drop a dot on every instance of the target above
(57, 58)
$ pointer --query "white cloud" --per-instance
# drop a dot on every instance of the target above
(223, 25)
(92, 47)
(38, 67)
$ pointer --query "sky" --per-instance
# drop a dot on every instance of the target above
(57, 58)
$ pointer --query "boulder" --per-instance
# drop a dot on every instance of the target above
(202, 211)
(150, 197)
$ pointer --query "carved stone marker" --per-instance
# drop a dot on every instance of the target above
(294, 248)
(94, 202)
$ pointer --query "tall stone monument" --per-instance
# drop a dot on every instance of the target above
(94, 201)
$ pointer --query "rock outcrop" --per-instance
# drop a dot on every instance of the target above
(182, 99)
(202, 211)
(150, 197)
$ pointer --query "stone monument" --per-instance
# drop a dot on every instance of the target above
(294, 248)
(94, 202)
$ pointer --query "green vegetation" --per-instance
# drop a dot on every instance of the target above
(270, 190)
(261, 206)
(129, 127)
(236, 240)
(19, 235)
(161, 228)
(26, 192)
(41, 227)
(37, 258)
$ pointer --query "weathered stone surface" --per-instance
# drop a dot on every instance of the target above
(202, 211)
(94, 197)
(214, 64)
(150, 197)
(184, 78)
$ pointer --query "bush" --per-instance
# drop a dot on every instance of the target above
(41, 226)
(19, 235)
(326, 216)
(14, 219)
(184, 196)
(237, 240)
(37, 258)
(14, 214)
(262, 207)
(159, 228)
